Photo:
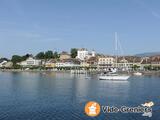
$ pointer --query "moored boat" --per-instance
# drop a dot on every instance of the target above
(137, 73)
(114, 77)
(112, 74)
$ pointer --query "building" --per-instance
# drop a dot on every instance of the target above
(68, 63)
(30, 62)
(128, 62)
(9, 64)
(105, 62)
(92, 61)
(151, 62)
(5, 63)
(84, 64)
(93, 53)
(50, 64)
(84, 54)
(2, 63)
(123, 64)
(64, 55)
(155, 60)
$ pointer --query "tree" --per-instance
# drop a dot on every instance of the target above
(2, 59)
(135, 67)
(25, 57)
(148, 67)
(49, 54)
(56, 55)
(73, 52)
(15, 66)
(16, 58)
(40, 55)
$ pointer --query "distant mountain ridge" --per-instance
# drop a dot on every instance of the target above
(148, 54)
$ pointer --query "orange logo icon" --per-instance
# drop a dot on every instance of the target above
(92, 109)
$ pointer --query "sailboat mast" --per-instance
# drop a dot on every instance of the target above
(116, 48)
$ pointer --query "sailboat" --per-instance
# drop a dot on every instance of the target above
(113, 75)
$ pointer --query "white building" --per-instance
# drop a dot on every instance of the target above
(66, 64)
(83, 54)
(93, 53)
(3, 63)
(30, 62)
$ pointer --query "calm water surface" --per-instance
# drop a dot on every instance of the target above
(62, 96)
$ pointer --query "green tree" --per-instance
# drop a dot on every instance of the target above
(148, 67)
(73, 52)
(135, 67)
(56, 55)
(6, 59)
(15, 66)
(25, 57)
(40, 55)
(16, 58)
(49, 54)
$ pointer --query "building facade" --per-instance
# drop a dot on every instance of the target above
(84, 54)
(30, 62)
(64, 55)
(2, 63)
(68, 63)
(50, 64)
(105, 62)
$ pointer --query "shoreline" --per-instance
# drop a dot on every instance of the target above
(19, 70)
(68, 71)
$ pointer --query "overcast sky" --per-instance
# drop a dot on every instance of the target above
(31, 26)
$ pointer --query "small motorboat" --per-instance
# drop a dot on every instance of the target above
(27, 69)
(137, 73)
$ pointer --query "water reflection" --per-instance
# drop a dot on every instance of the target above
(49, 94)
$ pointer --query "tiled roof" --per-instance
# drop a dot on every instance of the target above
(92, 59)
(65, 53)
(130, 59)
(71, 60)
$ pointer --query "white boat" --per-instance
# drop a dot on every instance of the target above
(137, 73)
(112, 75)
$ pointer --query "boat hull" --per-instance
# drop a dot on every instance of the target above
(138, 74)
(118, 78)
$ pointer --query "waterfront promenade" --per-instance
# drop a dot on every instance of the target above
(69, 71)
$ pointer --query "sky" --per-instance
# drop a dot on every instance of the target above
(32, 26)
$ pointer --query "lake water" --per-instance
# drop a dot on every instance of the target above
(62, 96)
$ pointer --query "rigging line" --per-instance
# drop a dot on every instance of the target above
(121, 48)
